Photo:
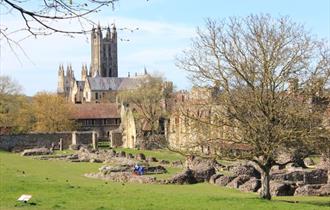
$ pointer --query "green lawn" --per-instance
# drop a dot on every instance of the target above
(56, 184)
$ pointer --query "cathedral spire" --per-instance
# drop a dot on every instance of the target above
(83, 72)
(114, 33)
(145, 70)
(99, 30)
(108, 35)
(60, 70)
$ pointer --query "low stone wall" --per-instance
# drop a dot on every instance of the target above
(33, 140)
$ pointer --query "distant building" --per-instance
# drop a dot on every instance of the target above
(96, 107)
(100, 83)
(99, 117)
(101, 89)
(187, 132)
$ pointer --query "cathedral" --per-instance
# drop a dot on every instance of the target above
(99, 83)
(94, 97)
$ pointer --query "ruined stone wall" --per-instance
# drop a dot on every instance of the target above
(33, 140)
(84, 137)
(103, 131)
(128, 126)
(116, 139)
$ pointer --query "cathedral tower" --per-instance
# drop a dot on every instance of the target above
(104, 60)
(60, 84)
(84, 72)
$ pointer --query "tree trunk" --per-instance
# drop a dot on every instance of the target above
(265, 189)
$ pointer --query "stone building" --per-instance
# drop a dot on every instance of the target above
(103, 89)
(99, 117)
(128, 127)
(184, 131)
(96, 107)
(187, 133)
(104, 58)
(104, 63)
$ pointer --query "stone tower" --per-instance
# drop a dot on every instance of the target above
(60, 83)
(65, 80)
(104, 59)
(84, 73)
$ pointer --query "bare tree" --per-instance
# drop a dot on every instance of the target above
(148, 104)
(41, 18)
(252, 61)
(8, 86)
(11, 102)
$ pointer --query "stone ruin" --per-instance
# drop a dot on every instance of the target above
(243, 176)
(284, 182)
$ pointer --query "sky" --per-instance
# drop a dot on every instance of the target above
(166, 28)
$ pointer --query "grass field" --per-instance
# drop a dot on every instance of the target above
(56, 184)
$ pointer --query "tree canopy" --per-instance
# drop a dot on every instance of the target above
(52, 113)
(270, 75)
(45, 112)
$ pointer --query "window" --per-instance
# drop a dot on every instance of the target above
(89, 122)
(96, 96)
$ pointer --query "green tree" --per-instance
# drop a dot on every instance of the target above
(52, 113)
(251, 61)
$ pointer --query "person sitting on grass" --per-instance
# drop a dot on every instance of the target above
(141, 170)
(138, 170)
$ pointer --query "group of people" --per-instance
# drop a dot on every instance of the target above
(138, 170)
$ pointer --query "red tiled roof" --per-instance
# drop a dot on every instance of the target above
(95, 111)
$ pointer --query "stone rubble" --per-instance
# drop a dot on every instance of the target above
(36, 151)
(284, 182)
(287, 181)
